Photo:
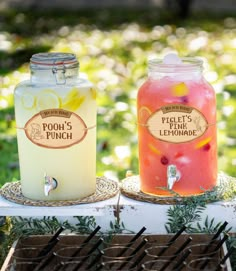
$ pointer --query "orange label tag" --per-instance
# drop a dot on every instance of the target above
(177, 123)
(55, 129)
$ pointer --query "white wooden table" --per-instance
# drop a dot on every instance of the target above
(134, 214)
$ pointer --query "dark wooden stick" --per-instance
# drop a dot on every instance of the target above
(97, 244)
(182, 247)
(131, 241)
(218, 246)
(142, 244)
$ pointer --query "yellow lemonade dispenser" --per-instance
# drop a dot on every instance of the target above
(56, 130)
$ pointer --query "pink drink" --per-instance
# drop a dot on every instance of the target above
(177, 130)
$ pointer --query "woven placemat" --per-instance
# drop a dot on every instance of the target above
(130, 187)
(105, 189)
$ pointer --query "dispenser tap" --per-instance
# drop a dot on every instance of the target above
(50, 184)
(173, 176)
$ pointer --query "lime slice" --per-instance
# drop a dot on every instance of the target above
(47, 99)
(28, 100)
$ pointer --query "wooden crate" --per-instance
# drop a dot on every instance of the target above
(68, 240)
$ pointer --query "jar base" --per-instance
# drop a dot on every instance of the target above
(170, 194)
(105, 189)
(131, 188)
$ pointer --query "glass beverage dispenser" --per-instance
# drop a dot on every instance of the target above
(177, 129)
(56, 130)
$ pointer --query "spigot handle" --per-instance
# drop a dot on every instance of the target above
(173, 176)
(50, 184)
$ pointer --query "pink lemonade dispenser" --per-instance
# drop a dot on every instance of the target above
(177, 129)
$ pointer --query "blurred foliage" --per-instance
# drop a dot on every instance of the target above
(113, 46)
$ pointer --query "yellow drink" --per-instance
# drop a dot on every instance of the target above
(56, 132)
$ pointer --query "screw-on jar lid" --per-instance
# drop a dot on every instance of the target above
(49, 60)
(187, 64)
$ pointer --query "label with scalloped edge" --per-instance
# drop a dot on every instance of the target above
(177, 123)
(55, 129)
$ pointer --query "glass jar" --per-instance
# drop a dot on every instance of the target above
(56, 130)
(177, 130)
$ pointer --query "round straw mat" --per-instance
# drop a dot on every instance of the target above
(130, 187)
(105, 189)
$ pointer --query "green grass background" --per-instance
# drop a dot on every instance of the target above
(113, 46)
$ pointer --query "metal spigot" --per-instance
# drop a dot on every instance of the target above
(129, 173)
(173, 176)
(50, 184)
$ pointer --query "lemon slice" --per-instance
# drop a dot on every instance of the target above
(93, 93)
(73, 100)
(180, 90)
(144, 113)
(28, 100)
(154, 149)
(47, 99)
(202, 143)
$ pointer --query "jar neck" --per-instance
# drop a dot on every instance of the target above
(190, 68)
(54, 68)
(57, 77)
